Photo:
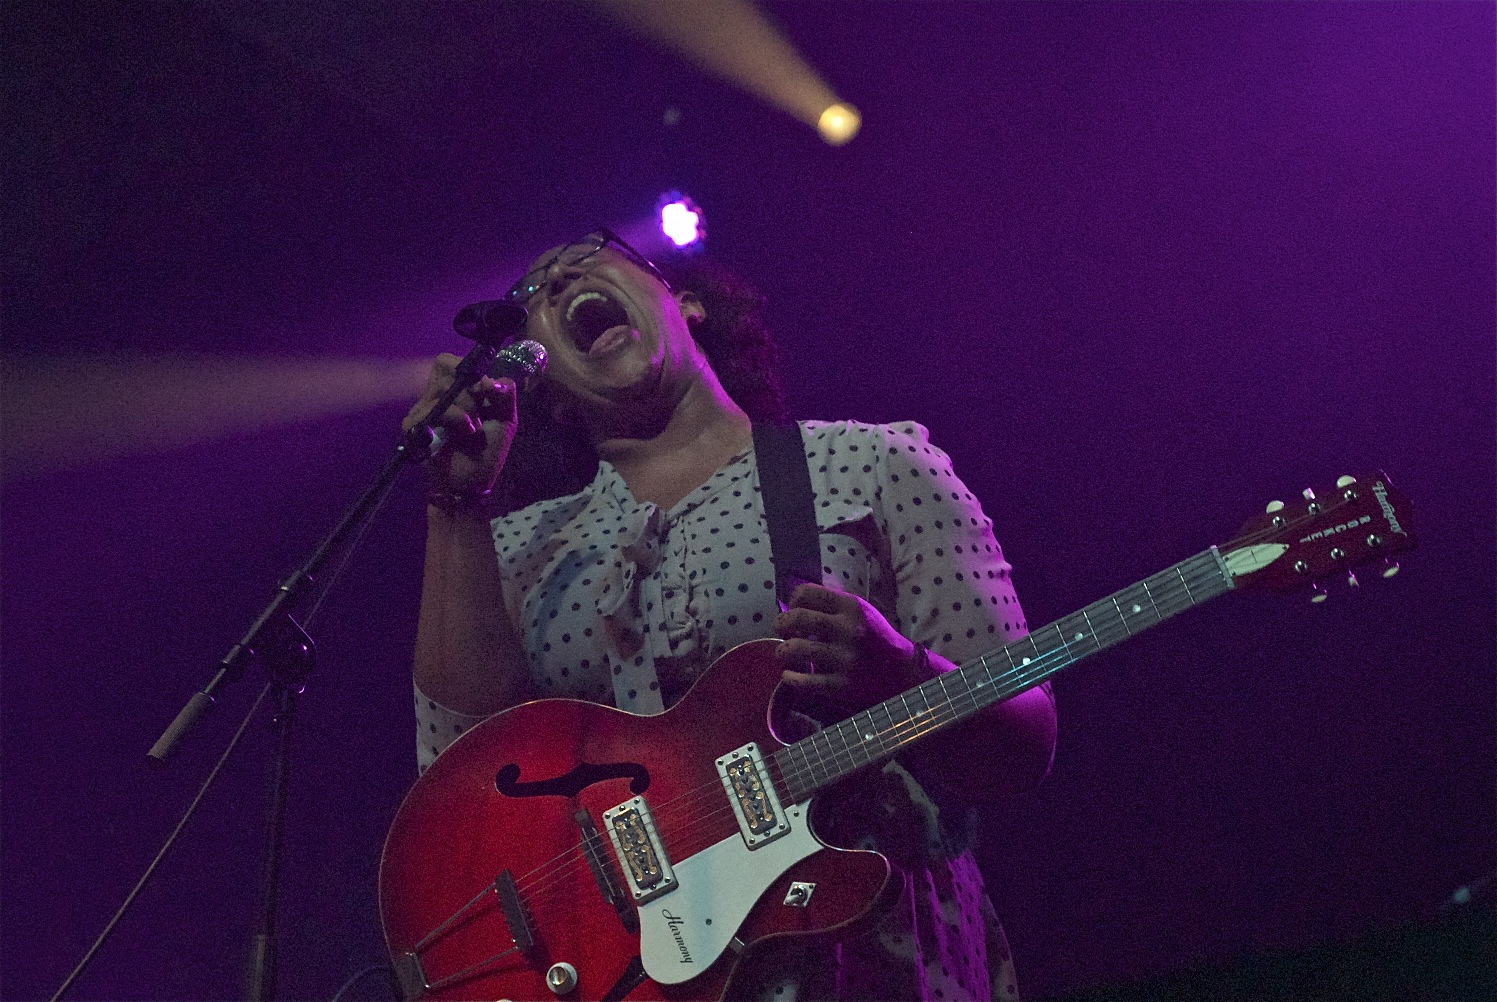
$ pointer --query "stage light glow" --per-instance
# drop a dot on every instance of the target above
(839, 123)
(154, 404)
(682, 221)
(734, 40)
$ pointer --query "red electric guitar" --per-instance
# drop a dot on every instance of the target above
(568, 849)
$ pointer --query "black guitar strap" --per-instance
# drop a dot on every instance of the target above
(789, 507)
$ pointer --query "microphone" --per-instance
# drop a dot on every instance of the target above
(493, 321)
(523, 361)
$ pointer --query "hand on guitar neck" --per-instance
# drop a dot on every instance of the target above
(841, 656)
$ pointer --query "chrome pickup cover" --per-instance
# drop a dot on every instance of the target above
(640, 852)
(752, 794)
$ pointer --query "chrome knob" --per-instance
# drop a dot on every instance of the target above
(561, 978)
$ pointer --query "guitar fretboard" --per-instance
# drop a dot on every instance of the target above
(882, 731)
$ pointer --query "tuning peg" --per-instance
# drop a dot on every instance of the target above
(1344, 481)
(1308, 494)
(1274, 506)
(1390, 567)
(1351, 579)
(1318, 594)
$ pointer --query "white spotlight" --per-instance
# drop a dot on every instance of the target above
(683, 221)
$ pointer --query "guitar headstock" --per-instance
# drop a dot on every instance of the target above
(1325, 533)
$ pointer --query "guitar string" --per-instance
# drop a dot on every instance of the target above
(1204, 566)
(1205, 569)
(569, 862)
(1006, 683)
(1037, 667)
(932, 713)
(951, 707)
(535, 886)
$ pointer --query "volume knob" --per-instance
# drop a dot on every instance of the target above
(561, 978)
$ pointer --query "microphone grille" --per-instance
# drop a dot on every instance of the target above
(524, 360)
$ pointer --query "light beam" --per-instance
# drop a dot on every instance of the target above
(733, 40)
(68, 412)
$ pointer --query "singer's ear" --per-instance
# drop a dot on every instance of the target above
(691, 308)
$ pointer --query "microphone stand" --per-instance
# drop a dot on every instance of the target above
(277, 639)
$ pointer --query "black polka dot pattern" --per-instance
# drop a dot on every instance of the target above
(623, 603)
(676, 589)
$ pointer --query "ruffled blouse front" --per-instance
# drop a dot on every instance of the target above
(624, 603)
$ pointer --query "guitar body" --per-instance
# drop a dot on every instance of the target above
(505, 798)
(567, 849)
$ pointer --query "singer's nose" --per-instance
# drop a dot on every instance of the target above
(558, 277)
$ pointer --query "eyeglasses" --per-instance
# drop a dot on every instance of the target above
(574, 254)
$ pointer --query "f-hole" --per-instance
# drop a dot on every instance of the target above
(585, 774)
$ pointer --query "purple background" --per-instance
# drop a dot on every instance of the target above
(1140, 268)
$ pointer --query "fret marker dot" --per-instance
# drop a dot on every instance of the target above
(867, 737)
(1079, 636)
(1025, 661)
(1138, 608)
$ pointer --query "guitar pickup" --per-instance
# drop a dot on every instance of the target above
(641, 854)
(752, 794)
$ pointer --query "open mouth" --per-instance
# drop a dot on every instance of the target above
(590, 316)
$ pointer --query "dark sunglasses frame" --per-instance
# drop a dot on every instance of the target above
(532, 281)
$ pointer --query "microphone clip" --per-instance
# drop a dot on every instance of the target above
(491, 322)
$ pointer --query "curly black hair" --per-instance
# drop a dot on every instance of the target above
(550, 459)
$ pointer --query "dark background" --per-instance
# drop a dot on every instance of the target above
(1140, 268)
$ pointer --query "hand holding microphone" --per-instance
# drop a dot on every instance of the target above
(471, 438)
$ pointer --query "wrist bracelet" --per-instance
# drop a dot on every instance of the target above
(453, 503)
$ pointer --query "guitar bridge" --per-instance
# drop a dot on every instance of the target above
(752, 794)
(641, 854)
(592, 849)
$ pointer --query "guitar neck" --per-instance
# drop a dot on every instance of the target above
(882, 731)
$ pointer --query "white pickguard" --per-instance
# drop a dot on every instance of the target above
(682, 933)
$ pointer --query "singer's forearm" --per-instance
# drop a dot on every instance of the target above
(1003, 750)
(467, 656)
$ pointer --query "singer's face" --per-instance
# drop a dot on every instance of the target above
(617, 338)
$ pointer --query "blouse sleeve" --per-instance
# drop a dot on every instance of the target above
(436, 728)
(953, 589)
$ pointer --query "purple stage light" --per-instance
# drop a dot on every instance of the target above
(682, 221)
